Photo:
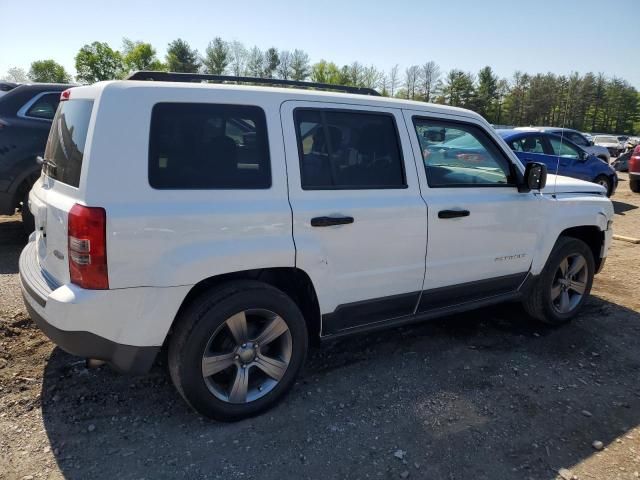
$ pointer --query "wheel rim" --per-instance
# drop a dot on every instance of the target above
(247, 356)
(604, 182)
(570, 283)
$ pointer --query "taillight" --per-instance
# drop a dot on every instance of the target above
(88, 247)
(65, 95)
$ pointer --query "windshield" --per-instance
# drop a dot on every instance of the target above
(65, 147)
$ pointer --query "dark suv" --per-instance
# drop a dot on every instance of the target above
(26, 113)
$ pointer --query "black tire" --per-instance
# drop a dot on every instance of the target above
(634, 183)
(28, 222)
(538, 302)
(205, 315)
(605, 182)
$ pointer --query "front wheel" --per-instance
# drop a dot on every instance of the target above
(237, 350)
(605, 182)
(564, 284)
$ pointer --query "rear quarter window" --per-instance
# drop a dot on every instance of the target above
(64, 152)
(208, 146)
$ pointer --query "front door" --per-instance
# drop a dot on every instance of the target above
(482, 231)
(359, 222)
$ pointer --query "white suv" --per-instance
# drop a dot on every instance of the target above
(237, 224)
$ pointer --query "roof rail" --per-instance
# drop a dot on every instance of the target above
(199, 77)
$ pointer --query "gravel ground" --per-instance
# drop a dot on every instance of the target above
(485, 395)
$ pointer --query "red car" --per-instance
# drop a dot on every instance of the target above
(634, 170)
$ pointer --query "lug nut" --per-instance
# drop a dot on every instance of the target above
(244, 365)
(237, 357)
(255, 345)
(244, 345)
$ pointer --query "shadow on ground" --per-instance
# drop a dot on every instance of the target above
(483, 395)
(620, 208)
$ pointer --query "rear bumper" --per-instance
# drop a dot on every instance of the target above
(37, 292)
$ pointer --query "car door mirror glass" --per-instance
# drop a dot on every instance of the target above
(535, 177)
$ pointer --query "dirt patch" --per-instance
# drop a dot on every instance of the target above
(485, 395)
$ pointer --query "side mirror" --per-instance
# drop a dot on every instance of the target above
(591, 144)
(535, 177)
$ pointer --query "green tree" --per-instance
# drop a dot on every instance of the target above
(458, 88)
(97, 62)
(300, 67)
(255, 61)
(271, 62)
(139, 56)
(216, 58)
(486, 93)
(326, 72)
(48, 71)
(182, 58)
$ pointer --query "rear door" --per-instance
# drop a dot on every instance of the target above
(58, 189)
(359, 223)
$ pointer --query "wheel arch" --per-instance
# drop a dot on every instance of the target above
(295, 282)
(592, 236)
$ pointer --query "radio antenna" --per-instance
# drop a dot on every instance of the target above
(564, 120)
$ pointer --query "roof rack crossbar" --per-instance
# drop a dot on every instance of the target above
(198, 77)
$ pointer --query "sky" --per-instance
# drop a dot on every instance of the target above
(559, 36)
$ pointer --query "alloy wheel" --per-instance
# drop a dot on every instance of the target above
(247, 356)
(570, 283)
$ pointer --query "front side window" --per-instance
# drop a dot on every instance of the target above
(460, 155)
(208, 146)
(44, 107)
(563, 149)
(348, 150)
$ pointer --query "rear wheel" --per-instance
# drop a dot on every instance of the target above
(605, 182)
(564, 284)
(634, 183)
(237, 350)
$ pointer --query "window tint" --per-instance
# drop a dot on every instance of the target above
(45, 107)
(206, 146)
(459, 155)
(529, 144)
(65, 146)
(563, 149)
(348, 150)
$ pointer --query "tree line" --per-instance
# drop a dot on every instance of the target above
(589, 102)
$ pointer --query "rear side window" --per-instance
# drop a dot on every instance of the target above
(44, 107)
(208, 146)
(65, 146)
(348, 150)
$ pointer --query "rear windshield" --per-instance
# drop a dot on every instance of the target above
(65, 147)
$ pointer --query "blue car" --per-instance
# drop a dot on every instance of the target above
(554, 151)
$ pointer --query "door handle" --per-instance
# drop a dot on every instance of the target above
(330, 221)
(453, 213)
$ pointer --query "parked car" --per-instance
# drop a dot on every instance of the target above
(6, 87)
(634, 170)
(559, 152)
(621, 164)
(160, 221)
(584, 142)
(26, 113)
(610, 142)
